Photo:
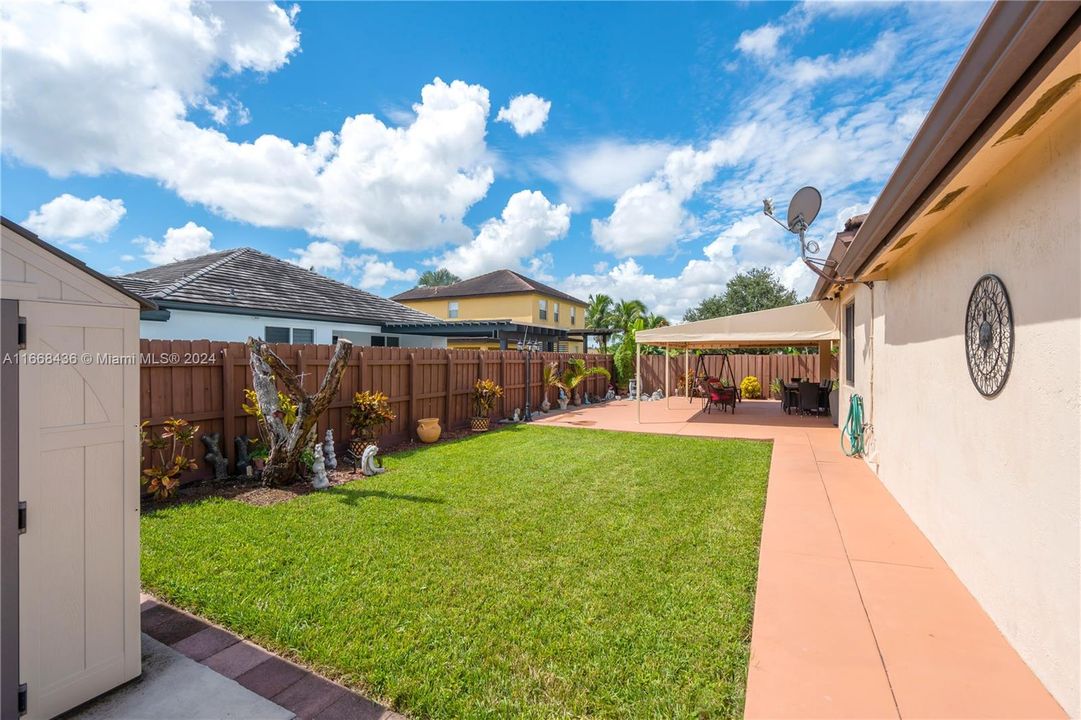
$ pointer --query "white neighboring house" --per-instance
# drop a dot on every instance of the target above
(236, 294)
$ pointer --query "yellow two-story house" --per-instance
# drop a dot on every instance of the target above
(497, 310)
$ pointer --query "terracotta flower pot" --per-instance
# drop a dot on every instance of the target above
(479, 424)
(428, 429)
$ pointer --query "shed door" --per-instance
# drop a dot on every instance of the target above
(78, 561)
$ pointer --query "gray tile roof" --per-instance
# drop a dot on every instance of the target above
(498, 282)
(252, 280)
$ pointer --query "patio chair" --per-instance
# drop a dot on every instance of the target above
(791, 396)
(808, 398)
(718, 396)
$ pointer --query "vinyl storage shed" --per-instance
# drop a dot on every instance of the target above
(69, 558)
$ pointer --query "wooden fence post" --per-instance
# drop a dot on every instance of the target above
(503, 382)
(228, 394)
(449, 401)
(412, 421)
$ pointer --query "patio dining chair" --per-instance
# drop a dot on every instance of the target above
(808, 398)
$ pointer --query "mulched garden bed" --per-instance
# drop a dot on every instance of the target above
(253, 492)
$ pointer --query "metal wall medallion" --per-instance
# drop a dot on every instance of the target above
(989, 335)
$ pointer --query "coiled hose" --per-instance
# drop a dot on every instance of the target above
(853, 428)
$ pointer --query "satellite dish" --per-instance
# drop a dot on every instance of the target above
(805, 203)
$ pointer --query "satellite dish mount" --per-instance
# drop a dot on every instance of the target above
(802, 211)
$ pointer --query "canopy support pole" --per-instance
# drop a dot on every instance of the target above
(638, 380)
(825, 355)
(667, 395)
(687, 371)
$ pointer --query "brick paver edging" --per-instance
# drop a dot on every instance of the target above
(295, 688)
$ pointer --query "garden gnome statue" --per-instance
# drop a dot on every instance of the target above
(367, 461)
(330, 459)
(319, 470)
(243, 462)
(213, 456)
(611, 394)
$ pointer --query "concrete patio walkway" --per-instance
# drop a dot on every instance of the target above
(856, 615)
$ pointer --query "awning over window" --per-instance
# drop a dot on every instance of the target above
(805, 324)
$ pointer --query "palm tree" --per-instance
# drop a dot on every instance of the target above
(437, 278)
(653, 320)
(625, 312)
(599, 314)
(573, 375)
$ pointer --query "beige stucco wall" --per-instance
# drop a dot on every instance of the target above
(995, 484)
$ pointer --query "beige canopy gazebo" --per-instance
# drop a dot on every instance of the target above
(806, 324)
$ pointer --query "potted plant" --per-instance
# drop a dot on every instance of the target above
(369, 412)
(835, 392)
(572, 376)
(171, 446)
(549, 375)
(258, 455)
(776, 389)
(485, 394)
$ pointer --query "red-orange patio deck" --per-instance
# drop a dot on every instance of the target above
(856, 614)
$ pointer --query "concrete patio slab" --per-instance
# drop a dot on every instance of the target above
(175, 687)
(856, 615)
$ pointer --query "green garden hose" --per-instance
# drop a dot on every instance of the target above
(853, 428)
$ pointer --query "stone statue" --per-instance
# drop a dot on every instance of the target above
(243, 462)
(213, 456)
(330, 458)
(319, 470)
(585, 399)
(517, 415)
(367, 461)
(658, 394)
(611, 394)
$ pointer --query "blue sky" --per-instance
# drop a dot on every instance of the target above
(620, 148)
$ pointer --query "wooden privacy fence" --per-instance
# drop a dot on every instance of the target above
(764, 367)
(203, 382)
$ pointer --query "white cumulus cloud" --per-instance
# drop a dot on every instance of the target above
(67, 217)
(372, 273)
(319, 256)
(760, 42)
(528, 223)
(603, 169)
(526, 113)
(92, 88)
(650, 217)
(180, 243)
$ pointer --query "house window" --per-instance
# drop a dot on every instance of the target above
(303, 335)
(385, 341)
(543, 305)
(452, 309)
(850, 343)
(555, 311)
(574, 320)
(276, 334)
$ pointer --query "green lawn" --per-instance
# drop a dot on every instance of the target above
(534, 572)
